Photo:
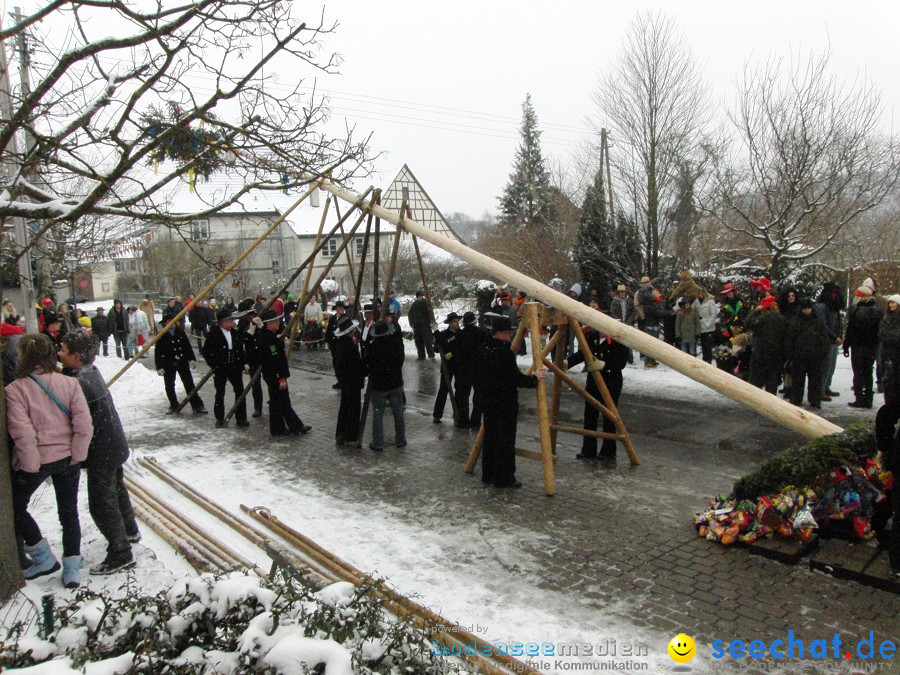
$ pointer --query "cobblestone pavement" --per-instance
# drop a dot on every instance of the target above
(617, 531)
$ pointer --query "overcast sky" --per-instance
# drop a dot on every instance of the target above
(441, 84)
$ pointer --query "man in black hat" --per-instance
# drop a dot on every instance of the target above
(175, 356)
(351, 375)
(420, 322)
(223, 351)
(497, 381)
(446, 341)
(339, 309)
(384, 359)
(470, 338)
(282, 418)
(247, 310)
(368, 322)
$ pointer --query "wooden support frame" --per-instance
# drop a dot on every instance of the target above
(548, 421)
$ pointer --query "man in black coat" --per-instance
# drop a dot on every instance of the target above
(861, 343)
(420, 322)
(351, 375)
(175, 356)
(223, 351)
(384, 361)
(446, 341)
(273, 359)
(119, 325)
(768, 328)
(611, 358)
(498, 380)
(101, 328)
(806, 347)
(339, 309)
(471, 337)
(247, 309)
(108, 500)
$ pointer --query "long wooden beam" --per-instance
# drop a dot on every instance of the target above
(764, 403)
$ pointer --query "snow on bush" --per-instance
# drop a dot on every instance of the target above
(329, 286)
(235, 623)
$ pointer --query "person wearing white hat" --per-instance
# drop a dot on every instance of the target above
(351, 376)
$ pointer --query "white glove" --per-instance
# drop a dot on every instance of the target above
(161, 372)
(597, 366)
(563, 365)
(192, 365)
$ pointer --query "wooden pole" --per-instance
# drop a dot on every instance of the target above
(475, 451)
(11, 579)
(558, 357)
(197, 387)
(393, 263)
(577, 388)
(346, 250)
(532, 311)
(611, 410)
(213, 284)
(354, 309)
(742, 392)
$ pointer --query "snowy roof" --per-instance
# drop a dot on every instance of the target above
(305, 219)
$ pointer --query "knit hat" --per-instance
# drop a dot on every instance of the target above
(657, 283)
(47, 302)
(767, 301)
(863, 292)
(869, 282)
(420, 294)
(576, 289)
(895, 298)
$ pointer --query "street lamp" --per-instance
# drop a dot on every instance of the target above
(72, 264)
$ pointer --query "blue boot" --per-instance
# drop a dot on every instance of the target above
(71, 575)
(43, 561)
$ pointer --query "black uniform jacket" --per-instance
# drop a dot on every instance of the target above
(216, 353)
(272, 356)
(348, 364)
(174, 346)
(384, 359)
(498, 378)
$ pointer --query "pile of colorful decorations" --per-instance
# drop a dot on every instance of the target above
(841, 482)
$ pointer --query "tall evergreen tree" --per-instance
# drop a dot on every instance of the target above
(526, 198)
(607, 253)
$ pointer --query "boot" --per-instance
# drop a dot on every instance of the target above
(43, 561)
(114, 562)
(857, 403)
(71, 575)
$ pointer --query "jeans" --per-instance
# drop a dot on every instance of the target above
(424, 340)
(689, 347)
(397, 400)
(828, 367)
(110, 507)
(121, 338)
(65, 477)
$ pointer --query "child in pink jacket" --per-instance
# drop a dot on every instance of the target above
(50, 424)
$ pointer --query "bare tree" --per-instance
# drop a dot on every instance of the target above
(656, 102)
(133, 101)
(807, 157)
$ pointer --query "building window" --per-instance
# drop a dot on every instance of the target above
(276, 266)
(132, 264)
(118, 265)
(200, 230)
(105, 287)
(330, 248)
(359, 245)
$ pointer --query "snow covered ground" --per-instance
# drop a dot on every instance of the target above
(440, 562)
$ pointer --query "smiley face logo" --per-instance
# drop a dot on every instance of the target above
(682, 648)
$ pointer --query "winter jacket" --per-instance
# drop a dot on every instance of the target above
(652, 304)
(109, 447)
(622, 310)
(100, 326)
(708, 311)
(731, 317)
(470, 338)
(42, 433)
(498, 378)
(889, 335)
(216, 353)
(398, 308)
(448, 340)
(384, 360)
(769, 330)
(348, 364)
(863, 321)
(828, 307)
(173, 347)
(687, 326)
(419, 314)
(198, 318)
(140, 325)
(272, 356)
(313, 312)
(807, 338)
(119, 321)
(613, 354)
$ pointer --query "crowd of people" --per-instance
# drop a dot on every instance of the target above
(773, 338)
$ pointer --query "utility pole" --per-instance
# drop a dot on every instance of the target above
(20, 227)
